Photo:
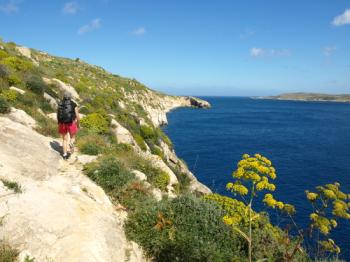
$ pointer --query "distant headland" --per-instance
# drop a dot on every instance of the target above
(310, 97)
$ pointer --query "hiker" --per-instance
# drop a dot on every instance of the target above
(68, 123)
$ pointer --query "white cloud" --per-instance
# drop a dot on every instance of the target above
(9, 7)
(93, 25)
(70, 8)
(139, 31)
(328, 50)
(246, 34)
(342, 19)
(262, 52)
(256, 52)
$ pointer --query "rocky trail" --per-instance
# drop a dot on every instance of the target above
(60, 214)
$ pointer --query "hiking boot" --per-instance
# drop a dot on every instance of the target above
(66, 156)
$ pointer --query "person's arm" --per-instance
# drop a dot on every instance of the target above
(77, 115)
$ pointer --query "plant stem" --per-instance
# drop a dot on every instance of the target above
(250, 224)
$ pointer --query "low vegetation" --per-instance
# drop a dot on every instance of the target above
(7, 253)
(12, 185)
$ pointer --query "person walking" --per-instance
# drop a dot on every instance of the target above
(68, 123)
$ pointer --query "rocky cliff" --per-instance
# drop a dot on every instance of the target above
(49, 209)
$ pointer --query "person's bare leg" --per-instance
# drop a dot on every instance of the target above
(65, 143)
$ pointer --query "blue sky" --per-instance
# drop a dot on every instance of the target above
(198, 47)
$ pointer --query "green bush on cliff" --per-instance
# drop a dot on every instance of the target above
(18, 64)
(183, 229)
(140, 142)
(91, 144)
(109, 173)
(35, 84)
(157, 177)
(4, 106)
(96, 122)
(134, 195)
(147, 132)
(4, 71)
(14, 80)
(9, 95)
(7, 253)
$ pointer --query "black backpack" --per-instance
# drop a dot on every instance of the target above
(65, 112)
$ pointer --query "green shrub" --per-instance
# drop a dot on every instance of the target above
(4, 106)
(4, 71)
(157, 151)
(91, 144)
(96, 122)
(35, 84)
(183, 178)
(161, 180)
(157, 177)
(134, 195)
(7, 253)
(109, 173)
(18, 64)
(183, 229)
(12, 185)
(141, 143)
(14, 80)
(147, 132)
(47, 126)
(3, 54)
(267, 238)
(9, 95)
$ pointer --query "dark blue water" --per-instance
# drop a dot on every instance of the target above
(307, 142)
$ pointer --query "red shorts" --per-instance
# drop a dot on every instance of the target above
(71, 128)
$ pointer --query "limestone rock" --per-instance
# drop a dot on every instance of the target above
(25, 51)
(141, 176)
(52, 101)
(63, 86)
(22, 117)
(61, 215)
(85, 159)
(17, 90)
(122, 134)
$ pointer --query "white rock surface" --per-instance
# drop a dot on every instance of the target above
(122, 134)
(17, 90)
(52, 101)
(85, 159)
(22, 117)
(63, 86)
(61, 215)
(141, 176)
(25, 51)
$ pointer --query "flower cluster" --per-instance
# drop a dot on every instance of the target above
(235, 211)
(256, 169)
(329, 246)
(329, 203)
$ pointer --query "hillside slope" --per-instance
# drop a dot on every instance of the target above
(58, 213)
(311, 97)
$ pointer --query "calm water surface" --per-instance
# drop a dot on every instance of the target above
(307, 142)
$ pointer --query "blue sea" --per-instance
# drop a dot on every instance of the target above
(307, 142)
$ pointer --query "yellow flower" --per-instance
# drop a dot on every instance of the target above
(311, 196)
(329, 194)
(245, 156)
(313, 216)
